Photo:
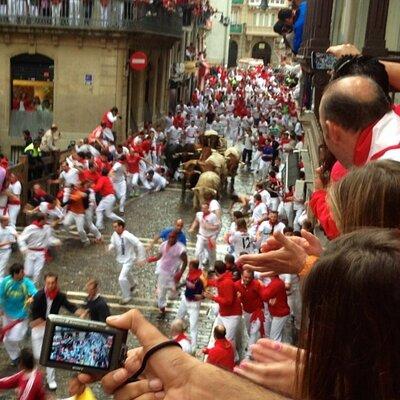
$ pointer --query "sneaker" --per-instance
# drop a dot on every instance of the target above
(125, 300)
(52, 385)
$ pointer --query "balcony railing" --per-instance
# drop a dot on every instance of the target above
(236, 29)
(260, 30)
(114, 15)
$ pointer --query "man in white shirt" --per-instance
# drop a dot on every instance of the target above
(191, 133)
(154, 182)
(49, 139)
(129, 250)
(260, 213)
(209, 226)
(174, 135)
(172, 255)
(241, 240)
(117, 175)
(8, 236)
(33, 242)
(68, 177)
(269, 227)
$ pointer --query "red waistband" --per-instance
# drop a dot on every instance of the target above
(37, 249)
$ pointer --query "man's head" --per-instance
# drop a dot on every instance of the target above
(119, 226)
(241, 225)
(247, 277)
(177, 327)
(194, 265)
(172, 238)
(348, 106)
(4, 221)
(54, 128)
(114, 111)
(179, 225)
(150, 175)
(36, 143)
(75, 386)
(219, 267)
(92, 287)
(219, 332)
(229, 260)
(26, 360)
(40, 219)
(65, 167)
(273, 217)
(17, 271)
(50, 281)
(286, 16)
(205, 208)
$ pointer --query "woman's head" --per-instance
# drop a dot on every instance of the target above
(367, 197)
(351, 319)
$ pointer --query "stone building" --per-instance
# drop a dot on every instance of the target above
(251, 31)
(68, 65)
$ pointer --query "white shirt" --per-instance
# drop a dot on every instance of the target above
(71, 177)
(170, 259)
(204, 222)
(214, 206)
(191, 133)
(241, 242)
(15, 188)
(259, 212)
(157, 183)
(128, 247)
(265, 229)
(118, 172)
(34, 237)
(7, 234)
(174, 135)
(55, 213)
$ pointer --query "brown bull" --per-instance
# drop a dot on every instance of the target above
(232, 158)
(209, 182)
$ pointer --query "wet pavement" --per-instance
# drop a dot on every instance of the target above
(145, 216)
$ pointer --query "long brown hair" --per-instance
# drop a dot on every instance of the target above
(351, 320)
(367, 197)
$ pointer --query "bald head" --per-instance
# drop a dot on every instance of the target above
(353, 102)
(219, 332)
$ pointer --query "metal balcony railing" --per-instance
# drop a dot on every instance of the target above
(111, 15)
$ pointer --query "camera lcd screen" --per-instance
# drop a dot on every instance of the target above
(80, 347)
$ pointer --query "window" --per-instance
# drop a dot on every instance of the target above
(31, 105)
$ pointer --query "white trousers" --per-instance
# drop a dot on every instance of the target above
(294, 302)
(274, 203)
(55, 13)
(296, 223)
(252, 330)
(263, 168)
(286, 211)
(120, 192)
(267, 320)
(125, 279)
(74, 12)
(34, 263)
(165, 283)
(106, 206)
(89, 223)
(79, 220)
(14, 336)
(5, 255)
(192, 309)
(277, 325)
(231, 325)
(13, 211)
(37, 341)
(203, 251)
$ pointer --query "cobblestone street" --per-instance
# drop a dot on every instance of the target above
(145, 216)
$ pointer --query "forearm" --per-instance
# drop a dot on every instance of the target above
(225, 386)
(393, 70)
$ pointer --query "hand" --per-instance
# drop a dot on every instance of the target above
(179, 375)
(343, 50)
(274, 366)
(283, 256)
(208, 295)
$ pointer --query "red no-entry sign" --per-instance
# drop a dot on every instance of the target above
(138, 61)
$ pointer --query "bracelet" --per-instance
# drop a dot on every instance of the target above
(149, 353)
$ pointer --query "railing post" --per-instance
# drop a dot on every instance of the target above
(375, 43)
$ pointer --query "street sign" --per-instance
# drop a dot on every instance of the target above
(138, 61)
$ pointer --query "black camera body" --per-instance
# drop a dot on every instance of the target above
(81, 345)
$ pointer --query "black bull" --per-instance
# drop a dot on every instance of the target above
(176, 153)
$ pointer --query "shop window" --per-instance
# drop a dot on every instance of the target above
(32, 94)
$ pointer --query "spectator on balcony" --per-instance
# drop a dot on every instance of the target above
(87, 9)
(27, 137)
(296, 19)
(55, 12)
(49, 140)
(34, 12)
(104, 13)
(74, 12)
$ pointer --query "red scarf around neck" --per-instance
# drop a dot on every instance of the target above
(52, 294)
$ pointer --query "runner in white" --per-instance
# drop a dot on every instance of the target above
(117, 175)
(8, 236)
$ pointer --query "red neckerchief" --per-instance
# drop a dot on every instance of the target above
(52, 294)
(180, 337)
(194, 275)
(205, 215)
(36, 223)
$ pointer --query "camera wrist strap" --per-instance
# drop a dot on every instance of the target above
(149, 353)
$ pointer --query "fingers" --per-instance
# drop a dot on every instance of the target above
(113, 380)
(314, 244)
(275, 351)
(147, 334)
(145, 389)
(86, 379)
(134, 360)
(254, 371)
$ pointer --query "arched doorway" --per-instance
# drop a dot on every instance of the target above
(262, 51)
(32, 93)
(233, 54)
